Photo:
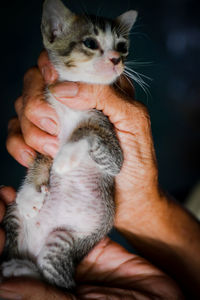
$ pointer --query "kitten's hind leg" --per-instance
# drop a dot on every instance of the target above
(56, 259)
(20, 267)
(12, 226)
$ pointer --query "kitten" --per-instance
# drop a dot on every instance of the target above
(65, 205)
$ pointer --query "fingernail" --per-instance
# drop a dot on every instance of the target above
(65, 90)
(27, 157)
(49, 125)
(7, 295)
(50, 149)
(47, 74)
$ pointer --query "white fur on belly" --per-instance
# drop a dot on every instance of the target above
(73, 202)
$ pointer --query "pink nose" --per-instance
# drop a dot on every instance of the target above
(115, 61)
(114, 57)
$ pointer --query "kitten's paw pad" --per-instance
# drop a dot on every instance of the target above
(70, 157)
(30, 201)
(17, 267)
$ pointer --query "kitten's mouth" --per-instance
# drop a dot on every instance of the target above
(106, 69)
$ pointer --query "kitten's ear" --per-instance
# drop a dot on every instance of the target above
(127, 19)
(56, 19)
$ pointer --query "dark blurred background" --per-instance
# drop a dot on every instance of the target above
(166, 37)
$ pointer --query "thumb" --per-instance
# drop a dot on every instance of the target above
(31, 289)
(46, 68)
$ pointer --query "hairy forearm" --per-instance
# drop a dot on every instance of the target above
(165, 234)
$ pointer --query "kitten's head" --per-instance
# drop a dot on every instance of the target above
(85, 48)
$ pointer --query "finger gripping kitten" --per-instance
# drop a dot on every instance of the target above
(65, 205)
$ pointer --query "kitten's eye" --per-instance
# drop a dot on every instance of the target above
(122, 47)
(91, 43)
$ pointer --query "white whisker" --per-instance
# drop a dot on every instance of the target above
(137, 73)
(139, 63)
(129, 81)
(138, 78)
(118, 86)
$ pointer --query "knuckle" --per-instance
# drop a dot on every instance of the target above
(29, 108)
(29, 138)
(29, 73)
(11, 143)
(18, 104)
(32, 140)
(140, 106)
(13, 125)
(141, 111)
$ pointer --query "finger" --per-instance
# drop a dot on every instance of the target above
(38, 139)
(100, 292)
(29, 289)
(113, 265)
(19, 106)
(16, 145)
(2, 209)
(36, 109)
(7, 194)
(48, 72)
(2, 240)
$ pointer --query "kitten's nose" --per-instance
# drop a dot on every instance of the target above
(114, 57)
(115, 60)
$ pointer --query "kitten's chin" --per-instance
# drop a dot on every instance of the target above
(100, 79)
(88, 77)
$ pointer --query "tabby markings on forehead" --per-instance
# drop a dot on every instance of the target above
(96, 31)
(99, 22)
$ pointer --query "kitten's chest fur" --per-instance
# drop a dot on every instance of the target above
(69, 119)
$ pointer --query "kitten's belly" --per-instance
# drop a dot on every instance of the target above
(74, 203)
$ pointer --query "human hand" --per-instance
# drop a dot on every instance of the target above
(130, 119)
(108, 272)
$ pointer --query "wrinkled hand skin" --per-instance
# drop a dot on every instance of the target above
(160, 229)
(108, 272)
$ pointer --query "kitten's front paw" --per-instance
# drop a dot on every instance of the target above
(30, 201)
(19, 267)
(70, 157)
